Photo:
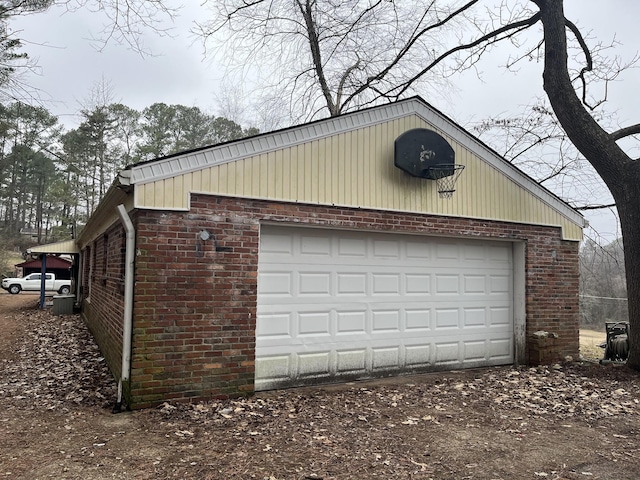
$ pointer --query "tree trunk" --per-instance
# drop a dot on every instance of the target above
(314, 44)
(620, 173)
(629, 212)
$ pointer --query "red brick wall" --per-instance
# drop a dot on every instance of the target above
(103, 293)
(195, 301)
(552, 279)
(195, 305)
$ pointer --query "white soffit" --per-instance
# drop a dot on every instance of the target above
(67, 247)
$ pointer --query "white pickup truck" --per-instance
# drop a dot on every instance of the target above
(32, 282)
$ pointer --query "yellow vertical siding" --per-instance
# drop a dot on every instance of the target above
(255, 170)
(268, 177)
(321, 164)
(355, 168)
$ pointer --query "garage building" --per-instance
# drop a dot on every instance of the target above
(311, 255)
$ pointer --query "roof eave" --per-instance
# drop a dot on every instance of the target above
(117, 194)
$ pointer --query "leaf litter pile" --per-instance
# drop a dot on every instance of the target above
(569, 421)
(61, 365)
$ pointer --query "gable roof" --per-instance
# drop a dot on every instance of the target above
(52, 262)
(348, 161)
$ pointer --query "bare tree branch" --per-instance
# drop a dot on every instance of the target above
(314, 45)
(403, 51)
(535, 142)
(360, 44)
(626, 132)
(127, 20)
(589, 62)
(595, 207)
(492, 37)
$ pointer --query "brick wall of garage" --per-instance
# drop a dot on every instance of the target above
(103, 293)
(195, 300)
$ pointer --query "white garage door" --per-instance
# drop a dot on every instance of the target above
(349, 304)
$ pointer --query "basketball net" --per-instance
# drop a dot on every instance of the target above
(446, 176)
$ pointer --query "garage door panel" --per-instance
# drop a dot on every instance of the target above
(499, 254)
(350, 322)
(385, 328)
(315, 245)
(284, 328)
(386, 249)
(385, 321)
(417, 320)
(316, 364)
(500, 316)
(417, 284)
(351, 361)
(351, 284)
(500, 284)
(474, 284)
(447, 318)
(335, 303)
(280, 244)
(299, 367)
(474, 253)
(474, 350)
(274, 368)
(276, 283)
(418, 355)
(447, 284)
(278, 325)
(314, 324)
(314, 283)
(474, 317)
(417, 250)
(447, 352)
(385, 284)
(446, 251)
(385, 358)
(351, 247)
(501, 349)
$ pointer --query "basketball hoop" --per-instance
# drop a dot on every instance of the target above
(445, 175)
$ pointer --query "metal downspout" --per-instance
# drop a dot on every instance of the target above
(128, 302)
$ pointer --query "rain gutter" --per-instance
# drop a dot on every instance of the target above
(128, 302)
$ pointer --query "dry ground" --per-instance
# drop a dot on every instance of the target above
(590, 341)
(573, 421)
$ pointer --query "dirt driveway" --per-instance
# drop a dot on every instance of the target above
(575, 421)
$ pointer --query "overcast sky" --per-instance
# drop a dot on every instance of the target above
(70, 64)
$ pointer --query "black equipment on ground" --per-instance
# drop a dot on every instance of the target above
(616, 346)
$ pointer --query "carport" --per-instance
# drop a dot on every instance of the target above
(67, 247)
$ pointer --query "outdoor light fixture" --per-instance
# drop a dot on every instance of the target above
(203, 236)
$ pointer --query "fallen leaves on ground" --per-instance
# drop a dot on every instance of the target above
(460, 424)
(58, 364)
